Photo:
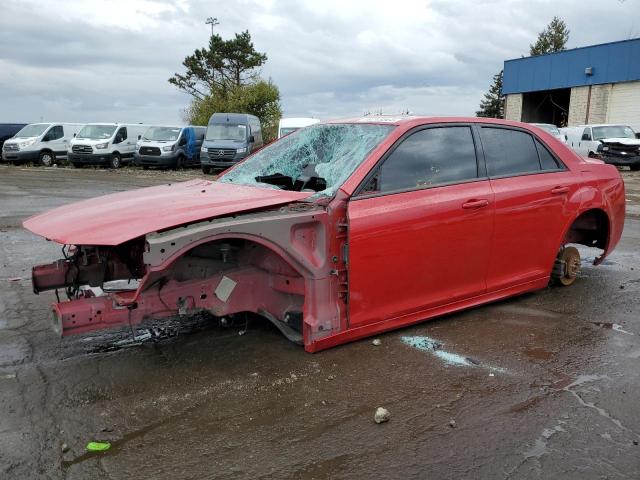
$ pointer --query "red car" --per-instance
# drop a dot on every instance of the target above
(340, 230)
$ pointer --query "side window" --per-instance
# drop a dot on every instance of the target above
(547, 161)
(508, 152)
(433, 156)
(586, 135)
(121, 135)
(55, 133)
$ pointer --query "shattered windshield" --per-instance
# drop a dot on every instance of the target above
(613, 131)
(226, 131)
(318, 158)
(162, 133)
(96, 132)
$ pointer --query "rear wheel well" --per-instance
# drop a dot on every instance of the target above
(590, 228)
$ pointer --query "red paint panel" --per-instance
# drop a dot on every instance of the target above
(532, 212)
(116, 218)
(416, 250)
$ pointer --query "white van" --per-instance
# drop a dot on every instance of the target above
(110, 144)
(41, 143)
(288, 125)
(588, 140)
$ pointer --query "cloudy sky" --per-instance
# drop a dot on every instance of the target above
(109, 60)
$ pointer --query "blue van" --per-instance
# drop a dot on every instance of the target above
(230, 138)
(169, 147)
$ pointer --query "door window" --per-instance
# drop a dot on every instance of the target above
(121, 136)
(508, 152)
(56, 133)
(547, 161)
(429, 157)
(586, 135)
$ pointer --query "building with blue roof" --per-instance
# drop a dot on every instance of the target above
(587, 85)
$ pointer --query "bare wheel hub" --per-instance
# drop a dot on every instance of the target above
(570, 257)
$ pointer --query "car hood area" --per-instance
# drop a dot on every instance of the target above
(117, 218)
(622, 141)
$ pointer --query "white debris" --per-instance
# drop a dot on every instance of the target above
(377, 342)
(225, 288)
(382, 415)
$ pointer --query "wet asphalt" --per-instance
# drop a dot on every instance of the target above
(545, 385)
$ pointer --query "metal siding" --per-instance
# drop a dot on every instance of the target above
(611, 63)
(625, 97)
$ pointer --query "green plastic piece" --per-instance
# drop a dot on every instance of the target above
(98, 446)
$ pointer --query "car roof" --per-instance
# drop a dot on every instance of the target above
(415, 120)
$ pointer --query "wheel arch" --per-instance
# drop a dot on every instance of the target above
(592, 228)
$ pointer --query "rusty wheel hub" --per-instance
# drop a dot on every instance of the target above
(571, 258)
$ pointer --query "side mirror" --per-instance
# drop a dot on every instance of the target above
(586, 136)
(139, 137)
(74, 135)
(252, 139)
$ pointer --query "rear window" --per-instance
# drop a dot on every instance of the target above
(509, 152)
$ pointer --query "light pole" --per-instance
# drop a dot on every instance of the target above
(212, 21)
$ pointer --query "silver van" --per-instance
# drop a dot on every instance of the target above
(170, 147)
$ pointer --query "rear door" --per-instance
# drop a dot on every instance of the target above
(532, 188)
(420, 226)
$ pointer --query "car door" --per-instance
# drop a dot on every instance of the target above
(123, 143)
(531, 188)
(420, 226)
(56, 140)
(584, 145)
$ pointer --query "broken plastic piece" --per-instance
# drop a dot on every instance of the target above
(98, 446)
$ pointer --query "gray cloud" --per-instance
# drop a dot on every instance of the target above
(80, 61)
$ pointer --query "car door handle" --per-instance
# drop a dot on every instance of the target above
(559, 190)
(469, 204)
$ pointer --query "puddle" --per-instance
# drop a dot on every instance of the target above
(434, 347)
(612, 326)
(540, 447)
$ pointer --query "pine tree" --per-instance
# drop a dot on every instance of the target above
(493, 103)
(552, 39)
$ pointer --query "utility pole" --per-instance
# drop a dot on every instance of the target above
(212, 21)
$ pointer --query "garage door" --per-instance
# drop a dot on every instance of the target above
(624, 105)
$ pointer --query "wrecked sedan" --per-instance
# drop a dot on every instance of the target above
(339, 231)
(618, 146)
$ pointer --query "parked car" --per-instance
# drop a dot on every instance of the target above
(340, 230)
(230, 138)
(615, 144)
(40, 143)
(8, 130)
(111, 144)
(553, 130)
(170, 147)
(289, 125)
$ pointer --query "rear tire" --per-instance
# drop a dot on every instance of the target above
(179, 163)
(206, 170)
(47, 158)
(116, 161)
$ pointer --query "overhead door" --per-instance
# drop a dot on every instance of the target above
(624, 104)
